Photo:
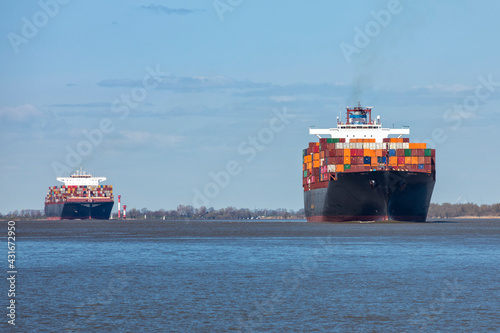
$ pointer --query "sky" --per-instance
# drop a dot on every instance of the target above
(209, 102)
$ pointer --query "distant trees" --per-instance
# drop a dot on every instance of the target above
(447, 210)
(184, 212)
(26, 214)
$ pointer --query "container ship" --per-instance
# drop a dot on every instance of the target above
(81, 197)
(357, 172)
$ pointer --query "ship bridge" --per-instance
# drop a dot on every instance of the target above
(80, 178)
(359, 125)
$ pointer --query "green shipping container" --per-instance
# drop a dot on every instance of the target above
(347, 166)
(305, 173)
(427, 152)
(407, 152)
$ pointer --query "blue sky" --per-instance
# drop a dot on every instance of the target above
(172, 98)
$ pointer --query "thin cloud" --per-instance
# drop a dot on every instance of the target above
(170, 11)
(142, 138)
(84, 105)
(20, 113)
(188, 84)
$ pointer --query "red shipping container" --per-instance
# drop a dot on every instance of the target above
(400, 152)
(361, 152)
(401, 159)
(316, 149)
(354, 152)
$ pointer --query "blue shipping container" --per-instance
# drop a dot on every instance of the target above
(381, 159)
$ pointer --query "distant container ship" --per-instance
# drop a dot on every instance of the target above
(358, 173)
(81, 197)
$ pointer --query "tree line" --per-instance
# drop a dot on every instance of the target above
(183, 212)
(447, 210)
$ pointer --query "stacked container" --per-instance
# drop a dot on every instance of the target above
(61, 194)
(323, 159)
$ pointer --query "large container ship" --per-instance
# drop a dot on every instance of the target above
(81, 197)
(359, 173)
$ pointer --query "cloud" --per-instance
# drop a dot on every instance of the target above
(20, 113)
(188, 83)
(84, 105)
(170, 11)
(142, 138)
(454, 88)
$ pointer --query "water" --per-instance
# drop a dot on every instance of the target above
(147, 276)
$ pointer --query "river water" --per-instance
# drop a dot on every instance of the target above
(175, 276)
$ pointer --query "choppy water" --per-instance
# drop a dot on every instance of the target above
(147, 276)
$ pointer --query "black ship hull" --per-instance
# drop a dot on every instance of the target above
(79, 210)
(371, 196)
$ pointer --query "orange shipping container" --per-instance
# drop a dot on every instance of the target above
(316, 157)
(393, 161)
(347, 160)
(316, 164)
(407, 159)
(414, 160)
(339, 167)
(347, 152)
(414, 145)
